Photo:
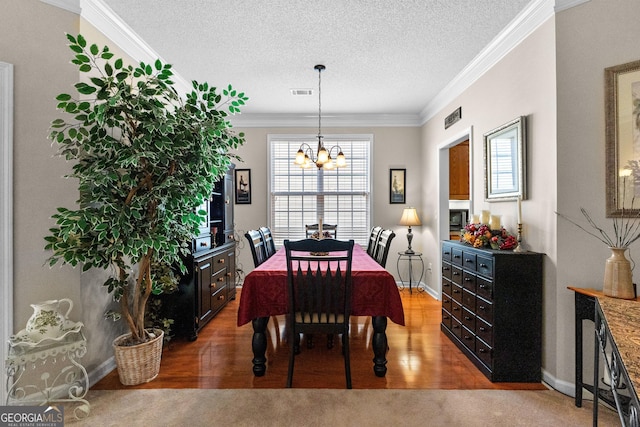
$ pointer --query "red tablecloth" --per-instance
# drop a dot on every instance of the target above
(375, 293)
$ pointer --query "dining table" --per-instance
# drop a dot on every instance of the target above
(374, 293)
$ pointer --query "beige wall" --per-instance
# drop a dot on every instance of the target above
(393, 148)
(521, 84)
(33, 40)
(611, 39)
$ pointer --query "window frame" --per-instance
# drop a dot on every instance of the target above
(329, 141)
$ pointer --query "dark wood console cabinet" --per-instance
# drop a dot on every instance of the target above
(492, 309)
(210, 282)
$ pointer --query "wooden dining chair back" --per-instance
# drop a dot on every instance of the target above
(319, 286)
(328, 230)
(269, 244)
(382, 248)
(256, 243)
(373, 241)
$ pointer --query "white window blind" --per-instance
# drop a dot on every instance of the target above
(301, 196)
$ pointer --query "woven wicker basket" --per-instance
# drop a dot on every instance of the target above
(140, 363)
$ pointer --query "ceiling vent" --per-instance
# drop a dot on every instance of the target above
(301, 92)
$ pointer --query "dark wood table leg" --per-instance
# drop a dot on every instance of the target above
(259, 345)
(379, 345)
(584, 310)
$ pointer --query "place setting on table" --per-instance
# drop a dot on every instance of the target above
(374, 293)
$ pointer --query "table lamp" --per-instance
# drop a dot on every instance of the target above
(409, 218)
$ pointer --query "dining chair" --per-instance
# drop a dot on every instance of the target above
(328, 230)
(382, 248)
(373, 241)
(256, 243)
(269, 245)
(319, 286)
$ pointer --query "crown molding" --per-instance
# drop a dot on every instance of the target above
(568, 4)
(98, 14)
(105, 20)
(248, 120)
(535, 14)
(70, 5)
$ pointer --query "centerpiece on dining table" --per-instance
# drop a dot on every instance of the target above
(319, 235)
(487, 233)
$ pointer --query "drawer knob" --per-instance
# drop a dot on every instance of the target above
(466, 279)
(203, 243)
(456, 256)
(445, 268)
(483, 265)
(456, 291)
(483, 286)
(221, 298)
(467, 260)
(220, 279)
(481, 307)
(467, 318)
(221, 261)
(482, 350)
(455, 273)
(482, 329)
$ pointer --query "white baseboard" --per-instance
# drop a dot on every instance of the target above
(563, 387)
(102, 371)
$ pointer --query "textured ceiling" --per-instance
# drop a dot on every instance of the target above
(382, 56)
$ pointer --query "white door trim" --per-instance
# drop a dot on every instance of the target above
(6, 211)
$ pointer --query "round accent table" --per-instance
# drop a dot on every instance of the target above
(410, 258)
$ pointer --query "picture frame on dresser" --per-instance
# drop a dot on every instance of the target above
(622, 137)
(505, 174)
(243, 186)
(397, 185)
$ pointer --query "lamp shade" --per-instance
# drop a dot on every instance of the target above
(410, 217)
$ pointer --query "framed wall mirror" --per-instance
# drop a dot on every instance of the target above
(505, 161)
(622, 110)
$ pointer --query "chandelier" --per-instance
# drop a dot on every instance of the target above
(305, 157)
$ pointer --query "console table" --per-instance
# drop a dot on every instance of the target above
(618, 339)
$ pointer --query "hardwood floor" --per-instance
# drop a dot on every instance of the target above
(419, 357)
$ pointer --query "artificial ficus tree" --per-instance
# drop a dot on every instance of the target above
(145, 158)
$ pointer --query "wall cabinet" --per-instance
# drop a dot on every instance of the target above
(210, 281)
(459, 171)
(492, 309)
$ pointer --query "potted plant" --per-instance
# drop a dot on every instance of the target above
(145, 159)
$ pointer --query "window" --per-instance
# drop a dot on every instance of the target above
(301, 196)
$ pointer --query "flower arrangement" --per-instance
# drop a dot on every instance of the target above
(480, 236)
(325, 235)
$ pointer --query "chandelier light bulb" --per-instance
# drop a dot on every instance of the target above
(323, 156)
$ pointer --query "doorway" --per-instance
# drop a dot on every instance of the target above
(443, 231)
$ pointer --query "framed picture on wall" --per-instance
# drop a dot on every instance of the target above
(397, 183)
(243, 186)
(622, 109)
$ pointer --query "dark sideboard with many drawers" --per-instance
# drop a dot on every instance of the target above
(492, 309)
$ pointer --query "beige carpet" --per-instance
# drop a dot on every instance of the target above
(324, 407)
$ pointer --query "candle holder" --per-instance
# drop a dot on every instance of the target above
(519, 248)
